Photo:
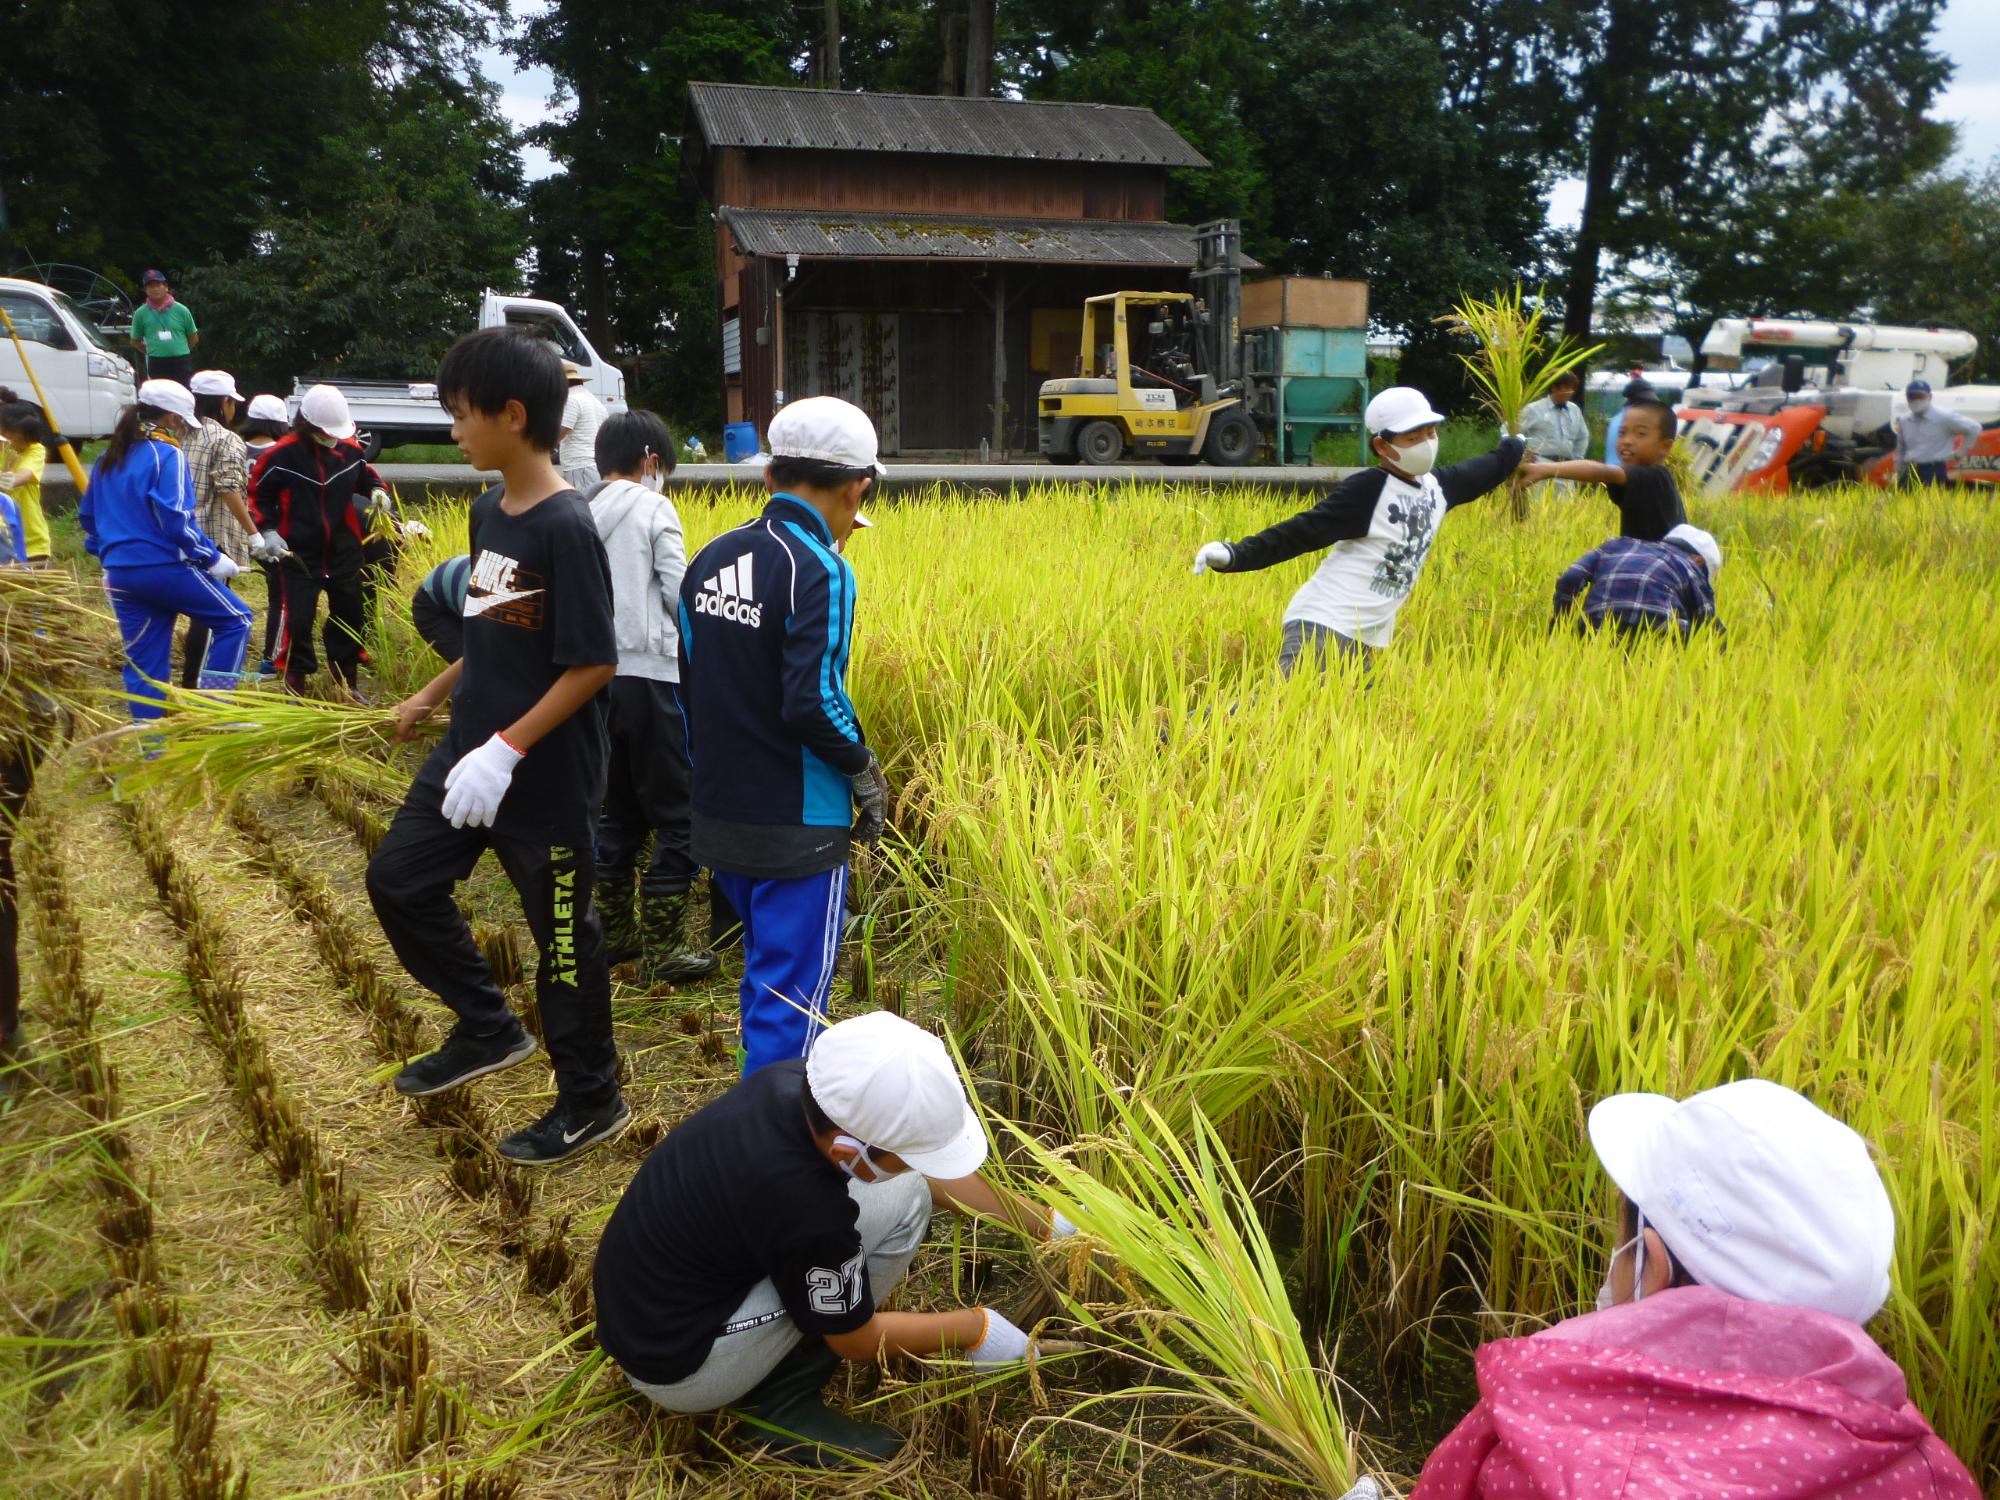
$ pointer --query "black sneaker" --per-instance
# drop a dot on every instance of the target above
(565, 1131)
(463, 1058)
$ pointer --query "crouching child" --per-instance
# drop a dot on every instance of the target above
(752, 1252)
(1644, 588)
(521, 769)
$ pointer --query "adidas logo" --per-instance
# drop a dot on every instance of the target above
(729, 595)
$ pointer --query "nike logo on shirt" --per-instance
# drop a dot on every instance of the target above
(478, 604)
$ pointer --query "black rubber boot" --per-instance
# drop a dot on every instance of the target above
(669, 959)
(614, 894)
(787, 1415)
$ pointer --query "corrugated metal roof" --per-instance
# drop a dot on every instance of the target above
(826, 235)
(730, 114)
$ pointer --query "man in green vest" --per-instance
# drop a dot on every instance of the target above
(164, 331)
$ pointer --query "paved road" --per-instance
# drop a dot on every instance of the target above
(902, 478)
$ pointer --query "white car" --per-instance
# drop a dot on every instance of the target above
(83, 370)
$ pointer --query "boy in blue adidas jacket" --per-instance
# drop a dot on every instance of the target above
(780, 762)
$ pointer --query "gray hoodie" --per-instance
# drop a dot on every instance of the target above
(641, 533)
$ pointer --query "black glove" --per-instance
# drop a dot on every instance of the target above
(871, 796)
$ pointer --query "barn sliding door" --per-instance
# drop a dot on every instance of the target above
(850, 355)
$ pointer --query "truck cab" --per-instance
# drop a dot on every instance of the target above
(394, 412)
(84, 371)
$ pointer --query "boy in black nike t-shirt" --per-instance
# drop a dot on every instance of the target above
(521, 769)
(1640, 483)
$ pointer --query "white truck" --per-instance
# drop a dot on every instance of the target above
(393, 412)
(84, 371)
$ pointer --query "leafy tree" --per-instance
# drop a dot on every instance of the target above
(162, 134)
(401, 224)
(1707, 129)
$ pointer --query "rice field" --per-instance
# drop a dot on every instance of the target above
(1294, 994)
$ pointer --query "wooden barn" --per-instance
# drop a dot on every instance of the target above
(926, 257)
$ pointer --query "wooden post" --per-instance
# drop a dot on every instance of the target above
(999, 359)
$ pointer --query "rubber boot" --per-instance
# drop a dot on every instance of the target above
(295, 682)
(614, 894)
(669, 959)
(787, 1413)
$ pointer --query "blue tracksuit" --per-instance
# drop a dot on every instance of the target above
(138, 520)
(766, 621)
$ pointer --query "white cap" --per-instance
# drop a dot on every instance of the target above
(893, 1085)
(325, 408)
(828, 429)
(1698, 542)
(268, 409)
(1401, 408)
(1757, 1192)
(216, 383)
(172, 397)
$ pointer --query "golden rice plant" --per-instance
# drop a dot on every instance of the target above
(1390, 944)
(1515, 364)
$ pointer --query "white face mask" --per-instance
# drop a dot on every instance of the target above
(324, 440)
(849, 1164)
(1606, 1297)
(656, 481)
(1417, 459)
(1919, 405)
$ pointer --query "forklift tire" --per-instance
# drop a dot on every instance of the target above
(1232, 441)
(1100, 442)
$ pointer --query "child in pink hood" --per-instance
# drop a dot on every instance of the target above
(1727, 1357)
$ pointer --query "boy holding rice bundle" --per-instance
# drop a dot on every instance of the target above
(521, 769)
(1380, 525)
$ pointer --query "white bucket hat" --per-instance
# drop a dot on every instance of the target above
(893, 1085)
(1401, 408)
(1757, 1191)
(216, 383)
(326, 409)
(171, 397)
(1698, 542)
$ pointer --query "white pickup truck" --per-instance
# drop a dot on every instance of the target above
(84, 371)
(393, 412)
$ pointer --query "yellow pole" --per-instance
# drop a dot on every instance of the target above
(63, 449)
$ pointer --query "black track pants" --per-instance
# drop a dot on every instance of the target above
(410, 882)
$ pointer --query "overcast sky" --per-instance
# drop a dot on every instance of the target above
(1969, 36)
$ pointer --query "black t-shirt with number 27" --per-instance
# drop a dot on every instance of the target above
(736, 1194)
(537, 603)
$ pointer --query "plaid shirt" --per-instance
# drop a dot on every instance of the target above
(1653, 585)
(219, 461)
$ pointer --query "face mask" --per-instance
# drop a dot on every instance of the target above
(1418, 458)
(1606, 1297)
(1919, 405)
(324, 440)
(849, 1164)
(657, 481)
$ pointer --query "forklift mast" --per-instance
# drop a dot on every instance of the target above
(1217, 282)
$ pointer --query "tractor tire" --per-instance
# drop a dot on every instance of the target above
(1232, 440)
(1100, 442)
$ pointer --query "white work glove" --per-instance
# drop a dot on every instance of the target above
(1002, 1344)
(416, 528)
(1060, 1227)
(473, 788)
(379, 500)
(1213, 555)
(270, 547)
(8, 480)
(871, 797)
(223, 568)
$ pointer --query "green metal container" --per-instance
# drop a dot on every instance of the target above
(1305, 381)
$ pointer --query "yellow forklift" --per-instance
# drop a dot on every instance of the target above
(1159, 373)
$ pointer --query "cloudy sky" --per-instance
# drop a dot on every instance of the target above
(1969, 35)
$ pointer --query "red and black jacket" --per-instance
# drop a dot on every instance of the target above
(313, 497)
